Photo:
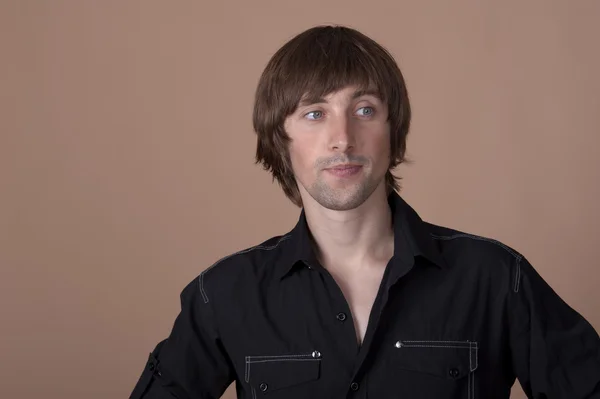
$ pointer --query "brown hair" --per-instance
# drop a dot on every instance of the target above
(317, 62)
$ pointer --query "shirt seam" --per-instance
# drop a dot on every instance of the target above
(518, 257)
(244, 251)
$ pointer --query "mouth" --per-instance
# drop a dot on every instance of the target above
(346, 170)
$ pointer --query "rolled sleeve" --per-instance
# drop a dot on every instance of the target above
(191, 362)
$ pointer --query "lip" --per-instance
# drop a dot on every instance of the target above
(344, 171)
(344, 166)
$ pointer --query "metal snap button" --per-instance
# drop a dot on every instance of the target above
(454, 373)
(263, 387)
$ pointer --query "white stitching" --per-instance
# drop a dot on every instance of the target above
(471, 379)
(469, 386)
(434, 346)
(472, 368)
(449, 342)
(266, 248)
(283, 360)
(474, 237)
(518, 276)
(473, 346)
(247, 377)
(472, 385)
(418, 344)
(467, 344)
(517, 256)
(277, 356)
(249, 362)
(470, 360)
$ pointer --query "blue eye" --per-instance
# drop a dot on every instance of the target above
(366, 111)
(314, 115)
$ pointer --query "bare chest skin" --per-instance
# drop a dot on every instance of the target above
(360, 290)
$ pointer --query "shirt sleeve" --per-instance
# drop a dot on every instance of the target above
(191, 362)
(555, 351)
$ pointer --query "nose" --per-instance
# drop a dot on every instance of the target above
(341, 136)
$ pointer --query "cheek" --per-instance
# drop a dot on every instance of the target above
(386, 154)
(300, 156)
(385, 143)
(380, 150)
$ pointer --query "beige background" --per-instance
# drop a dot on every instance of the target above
(126, 157)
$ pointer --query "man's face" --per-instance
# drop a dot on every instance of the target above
(340, 148)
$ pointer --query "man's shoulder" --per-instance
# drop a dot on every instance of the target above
(460, 247)
(242, 267)
(258, 254)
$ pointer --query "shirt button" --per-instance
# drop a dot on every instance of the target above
(454, 373)
(354, 386)
(263, 387)
(341, 316)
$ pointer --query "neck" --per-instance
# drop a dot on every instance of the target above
(355, 239)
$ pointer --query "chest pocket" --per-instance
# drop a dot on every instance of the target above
(451, 363)
(271, 374)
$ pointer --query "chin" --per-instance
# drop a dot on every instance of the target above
(340, 206)
(340, 200)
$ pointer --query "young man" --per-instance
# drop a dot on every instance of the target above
(363, 299)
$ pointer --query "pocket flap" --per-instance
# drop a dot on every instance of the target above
(445, 359)
(270, 373)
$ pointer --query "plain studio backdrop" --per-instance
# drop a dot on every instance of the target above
(126, 157)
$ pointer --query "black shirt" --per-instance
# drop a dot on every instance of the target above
(456, 316)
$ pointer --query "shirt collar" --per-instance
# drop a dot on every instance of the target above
(412, 239)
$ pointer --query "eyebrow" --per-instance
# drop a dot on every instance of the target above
(310, 100)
